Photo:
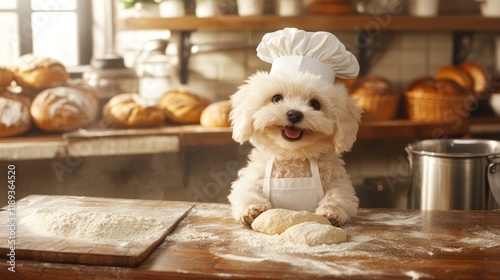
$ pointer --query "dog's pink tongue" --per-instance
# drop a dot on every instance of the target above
(292, 132)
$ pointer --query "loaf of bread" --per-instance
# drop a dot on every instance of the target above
(39, 72)
(14, 114)
(431, 86)
(456, 74)
(64, 109)
(6, 77)
(478, 75)
(183, 107)
(377, 97)
(372, 84)
(216, 114)
(127, 110)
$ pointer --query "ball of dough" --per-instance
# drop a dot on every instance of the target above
(313, 234)
(276, 221)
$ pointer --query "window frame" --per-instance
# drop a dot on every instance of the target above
(83, 13)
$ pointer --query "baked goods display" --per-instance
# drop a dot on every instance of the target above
(182, 107)
(377, 97)
(63, 109)
(14, 114)
(429, 99)
(6, 77)
(216, 114)
(127, 110)
(39, 72)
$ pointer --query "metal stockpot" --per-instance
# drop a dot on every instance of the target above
(454, 174)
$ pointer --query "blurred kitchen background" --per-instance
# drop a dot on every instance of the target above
(201, 164)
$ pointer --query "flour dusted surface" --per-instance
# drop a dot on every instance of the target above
(92, 225)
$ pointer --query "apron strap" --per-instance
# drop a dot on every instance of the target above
(267, 177)
(316, 178)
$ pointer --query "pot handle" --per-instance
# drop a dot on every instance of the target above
(493, 168)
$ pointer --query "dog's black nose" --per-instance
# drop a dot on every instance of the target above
(294, 116)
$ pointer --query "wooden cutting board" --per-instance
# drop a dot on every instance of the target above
(30, 244)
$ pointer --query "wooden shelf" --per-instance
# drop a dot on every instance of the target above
(93, 142)
(316, 22)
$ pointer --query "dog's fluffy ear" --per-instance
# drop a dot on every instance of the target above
(241, 115)
(347, 123)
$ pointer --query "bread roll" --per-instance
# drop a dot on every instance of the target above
(183, 107)
(430, 86)
(372, 84)
(63, 109)
(377, 97)
(216, 114)
(457, 74)
(128, 110)
(6, 77)
(14, 114)
(479, 76)
(39, 72)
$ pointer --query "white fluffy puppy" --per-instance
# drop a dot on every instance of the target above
(294, 120)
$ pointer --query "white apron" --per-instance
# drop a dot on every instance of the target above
(293, 193)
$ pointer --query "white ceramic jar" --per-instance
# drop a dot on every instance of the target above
(250, 7)
(172, 8)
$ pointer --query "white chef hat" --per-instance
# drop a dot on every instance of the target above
(318, 53)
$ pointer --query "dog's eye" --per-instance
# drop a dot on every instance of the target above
(277, 98)
(315, 104)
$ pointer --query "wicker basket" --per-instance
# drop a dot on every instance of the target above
(437, 107)
(378, 107)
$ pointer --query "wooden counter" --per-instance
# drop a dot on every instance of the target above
(382, 244)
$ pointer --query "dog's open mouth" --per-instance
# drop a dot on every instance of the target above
(292, 133)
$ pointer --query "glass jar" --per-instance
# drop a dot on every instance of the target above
(108, 76)
(155, 70)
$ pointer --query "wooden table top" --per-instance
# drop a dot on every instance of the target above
(382, 244)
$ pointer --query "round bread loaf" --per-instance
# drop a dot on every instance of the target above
(39, 72)
(216, 114)
(63, 109)
(377, 97)
(428, 85)
(182, 107)
(479, 76)
(6, 77)
(14, 114)
(456, 74)
(372, 84)
(128, 110)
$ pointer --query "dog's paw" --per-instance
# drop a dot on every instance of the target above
(336, 216)
(252, 212)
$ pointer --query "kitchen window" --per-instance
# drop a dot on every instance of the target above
(60, 29)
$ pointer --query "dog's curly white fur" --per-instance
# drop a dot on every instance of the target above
(327, 132)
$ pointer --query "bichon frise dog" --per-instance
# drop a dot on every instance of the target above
(299, 126)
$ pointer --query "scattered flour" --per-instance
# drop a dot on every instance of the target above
(92, 225)
(483, 239)
(394, 219)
